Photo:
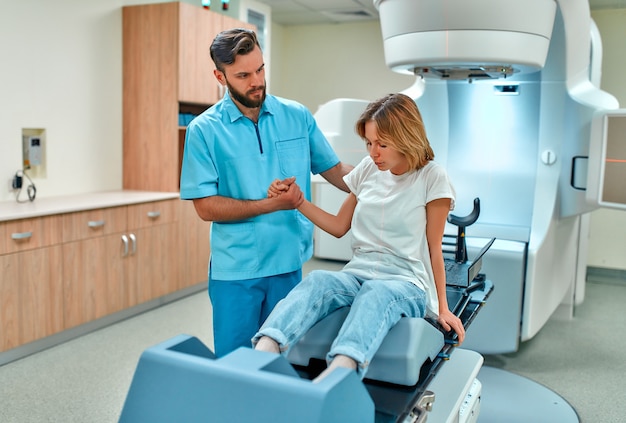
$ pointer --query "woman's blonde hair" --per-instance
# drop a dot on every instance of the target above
(399, 124)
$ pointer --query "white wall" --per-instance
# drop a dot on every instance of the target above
(318, 63)
(61, 69)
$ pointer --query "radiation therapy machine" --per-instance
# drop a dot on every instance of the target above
(509, 94)
(508, 91)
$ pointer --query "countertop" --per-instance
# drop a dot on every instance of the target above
(12, 210)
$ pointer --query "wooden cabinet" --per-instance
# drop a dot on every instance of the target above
(166, 67)
(82, 258)
(118, 257)
(31, 295)
(168, 70)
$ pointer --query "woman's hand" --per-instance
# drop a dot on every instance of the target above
(278, 187)
(449, 321)
(285, 194)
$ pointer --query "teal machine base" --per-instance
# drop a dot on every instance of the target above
(180, 380)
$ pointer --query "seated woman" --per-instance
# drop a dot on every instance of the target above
(397, 209)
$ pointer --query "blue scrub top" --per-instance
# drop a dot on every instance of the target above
(227, 154)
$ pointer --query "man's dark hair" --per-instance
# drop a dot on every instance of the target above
(230, 43)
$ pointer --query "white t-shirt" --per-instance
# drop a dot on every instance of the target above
(389, 224)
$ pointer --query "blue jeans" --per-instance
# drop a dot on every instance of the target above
(376, 306)
(241, 306)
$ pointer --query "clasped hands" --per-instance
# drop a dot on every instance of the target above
(286, 192)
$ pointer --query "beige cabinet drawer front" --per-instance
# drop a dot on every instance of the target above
(28, 234)
(94, 223)
(155, 213)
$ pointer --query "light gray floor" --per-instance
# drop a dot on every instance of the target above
(86, 379)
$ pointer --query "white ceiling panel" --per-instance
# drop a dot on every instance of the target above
(301, 12)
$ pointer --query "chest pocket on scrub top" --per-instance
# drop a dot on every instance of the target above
(293, 156)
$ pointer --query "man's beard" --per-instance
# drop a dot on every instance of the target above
(244, 99)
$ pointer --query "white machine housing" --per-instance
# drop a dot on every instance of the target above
(337, 119)
(460, 39)
(508, 91)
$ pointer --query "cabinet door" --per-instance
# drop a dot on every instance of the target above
(9, 302)
(153, 265)
(31, 296)
(154, 269)
(198, 28)
(94, 278)
(93, 272)
(150, 98)
(195, 246)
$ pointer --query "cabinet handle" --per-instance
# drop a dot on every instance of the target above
(133, 238)
(125, 241)
(154, 214)
(21, 235)
(95, 223)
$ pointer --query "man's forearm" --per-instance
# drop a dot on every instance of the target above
(223, 209)
(335, 175)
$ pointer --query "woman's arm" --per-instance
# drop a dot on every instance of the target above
(436, 214)
(337, 225)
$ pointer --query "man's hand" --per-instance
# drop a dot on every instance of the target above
(286, 194)
(278, 187)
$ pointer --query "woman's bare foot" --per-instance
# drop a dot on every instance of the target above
(267, 344)
(338, 361)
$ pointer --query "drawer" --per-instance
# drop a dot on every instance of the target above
(28, 234)
(155, 213)
(93, 223)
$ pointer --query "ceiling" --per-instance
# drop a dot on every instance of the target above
(302, 12)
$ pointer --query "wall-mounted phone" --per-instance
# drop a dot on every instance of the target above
(31, 146)
(34, 152)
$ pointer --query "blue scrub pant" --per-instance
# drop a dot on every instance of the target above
(376, 305)
(241, 306)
